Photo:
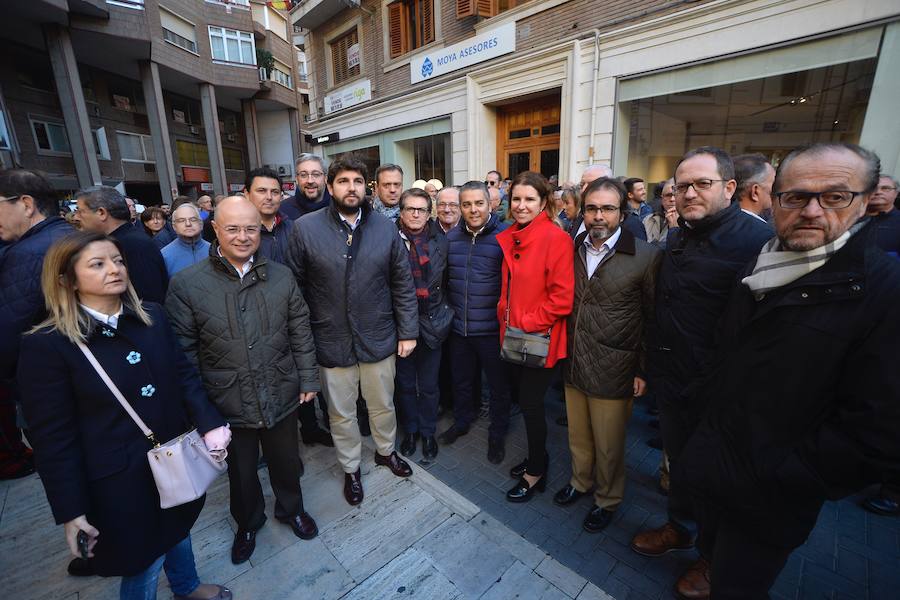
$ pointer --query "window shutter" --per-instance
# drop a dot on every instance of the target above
(396, 29)
(480, 8)
(427, 21)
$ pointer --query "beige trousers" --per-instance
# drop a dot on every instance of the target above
(597, 444)
(342, 387)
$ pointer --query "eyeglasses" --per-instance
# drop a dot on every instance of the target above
(698, 185)
(491, 183)
(670, 195)
(11, 199)
(606, 209)
(415, 210)
(236, 229)
(830, 200)
(310, 175)
(886, 188)
(446, 205)
(189, 220)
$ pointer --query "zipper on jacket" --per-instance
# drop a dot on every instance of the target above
(466, 300)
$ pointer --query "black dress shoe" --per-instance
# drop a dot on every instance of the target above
(408, 445)
(353, 489)
(451, 435)
(81, 567)
(304, 526)
(522, 492)
(566, 496)
(429, 448)
(517, 471)
(597, 519)
(243, 547)
(496, 451)
(317, 436)
(397, 465)
(882, 505)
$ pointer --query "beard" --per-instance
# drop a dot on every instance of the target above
(600, 233)
(348, 204)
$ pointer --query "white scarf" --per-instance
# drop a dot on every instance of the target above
(776, 268)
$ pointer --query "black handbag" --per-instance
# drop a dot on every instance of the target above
(520, 347)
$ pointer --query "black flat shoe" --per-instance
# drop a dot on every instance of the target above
(408, 445)
(451, 435)
(522, 492)
(496, 451)
(429, 448)
(597, 519)
(566, 496)
(81, 567)
(517, 471)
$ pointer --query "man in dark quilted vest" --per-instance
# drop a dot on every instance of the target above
(615, 287)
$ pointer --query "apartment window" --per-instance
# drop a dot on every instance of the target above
(50, 137)
(185, 111)
(135, 4)
(5, 137)
(232, 46)
(134, 147)
(281, 73)
(410, 25)
(234, 159)
(484, 8)
(192, 154)
(100, 143)
(344, 51)
(178, 31)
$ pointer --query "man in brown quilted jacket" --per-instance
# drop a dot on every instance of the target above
(615, 282)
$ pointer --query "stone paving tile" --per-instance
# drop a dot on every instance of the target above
(410, 575)
(560, 576)
(849, 552)
(521, 582)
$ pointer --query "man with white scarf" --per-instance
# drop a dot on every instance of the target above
(802, 406)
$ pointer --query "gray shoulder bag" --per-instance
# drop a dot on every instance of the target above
(519, 347)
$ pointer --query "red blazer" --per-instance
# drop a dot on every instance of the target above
(540, 261)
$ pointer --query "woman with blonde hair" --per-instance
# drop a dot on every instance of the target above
(91, 455)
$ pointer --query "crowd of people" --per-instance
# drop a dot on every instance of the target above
(755, 305)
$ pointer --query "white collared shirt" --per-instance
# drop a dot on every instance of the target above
(245, 268)
(109, 320)
(354, 224)
(594, 256)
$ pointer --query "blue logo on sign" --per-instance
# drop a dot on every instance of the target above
(427, 67)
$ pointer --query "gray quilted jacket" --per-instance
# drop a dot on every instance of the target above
(611, 315)
(358, 285)
(249, 338)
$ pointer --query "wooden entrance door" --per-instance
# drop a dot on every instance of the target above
(528, 137)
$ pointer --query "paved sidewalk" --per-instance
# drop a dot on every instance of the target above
(410, 538)
(850, 554)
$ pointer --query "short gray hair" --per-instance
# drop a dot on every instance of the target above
(103, 196)
(873, 163)
(607, 171)
(308, 156)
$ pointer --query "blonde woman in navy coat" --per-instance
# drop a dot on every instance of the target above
(90, 454)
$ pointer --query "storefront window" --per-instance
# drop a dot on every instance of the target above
(371, 156)
(771, 115)
(431, 157)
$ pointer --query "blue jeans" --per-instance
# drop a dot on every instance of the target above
(180, 570)
(417, 389)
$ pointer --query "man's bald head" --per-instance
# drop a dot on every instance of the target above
(186, 221)
(235, 206)
(237, 226)
(594, 172)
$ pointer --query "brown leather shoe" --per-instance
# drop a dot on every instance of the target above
(694, 584)
(656, 542)
(397, 465)
(303, 525)
(353, 489)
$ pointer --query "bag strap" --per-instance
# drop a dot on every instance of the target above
(148, 433)
(508, 284)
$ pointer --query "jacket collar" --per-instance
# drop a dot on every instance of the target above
(223, 266)
(490, 226)
(37, 228)
(364, 214)
(625, 245)
(523, 234)
(707, 224)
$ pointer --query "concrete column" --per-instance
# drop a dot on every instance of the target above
(213, 138)
(159, 130)
(251, 128)
(71, 100)
(294, 119)
(881, 129)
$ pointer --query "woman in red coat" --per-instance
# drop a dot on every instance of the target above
(538, 285)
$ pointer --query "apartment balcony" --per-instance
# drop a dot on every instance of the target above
(313, 13)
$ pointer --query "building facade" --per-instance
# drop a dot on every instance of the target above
(454, 88)
(163, 96)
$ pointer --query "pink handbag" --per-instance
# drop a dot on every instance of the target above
(183, 468)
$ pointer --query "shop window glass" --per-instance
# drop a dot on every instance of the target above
(771, 115)
(370, 156)
(431, 154)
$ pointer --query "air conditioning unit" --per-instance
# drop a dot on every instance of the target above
(284, 170)
(194, 129)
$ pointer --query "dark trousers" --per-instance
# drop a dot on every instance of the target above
(417, 389)
(532, 384)
(465, 355)
(445, 377)
(676, 426)
(307, 415)
(742, 567)
(279, 447)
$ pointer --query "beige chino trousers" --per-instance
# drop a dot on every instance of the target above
(342, 387)
(597, 443)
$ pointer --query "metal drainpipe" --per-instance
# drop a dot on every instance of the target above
(594, 94)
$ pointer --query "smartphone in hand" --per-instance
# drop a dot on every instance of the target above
(83, 543)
